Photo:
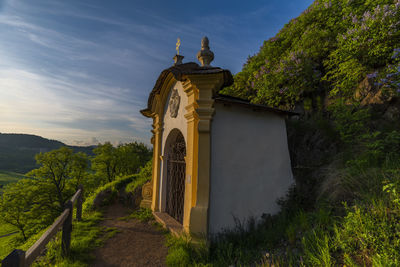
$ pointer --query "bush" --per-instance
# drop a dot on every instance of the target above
(143, 177)
(107, 193)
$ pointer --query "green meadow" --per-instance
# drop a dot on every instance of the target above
(7, 177)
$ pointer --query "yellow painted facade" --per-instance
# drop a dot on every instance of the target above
(199, 89)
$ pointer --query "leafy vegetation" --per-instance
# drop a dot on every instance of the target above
(86, 236)
(142, 214)
(61, 172)
(327, 51)
(107, 193)
(338, 64)
(143, 177)
(110, 162)
(29, 205)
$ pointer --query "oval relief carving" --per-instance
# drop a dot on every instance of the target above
(147, 191)
(174, 103)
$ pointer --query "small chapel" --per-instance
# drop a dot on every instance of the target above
(217, 159)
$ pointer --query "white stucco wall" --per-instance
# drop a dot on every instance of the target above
(170, 123)
(250, 164)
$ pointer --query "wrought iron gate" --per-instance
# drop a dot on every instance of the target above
(176, 170)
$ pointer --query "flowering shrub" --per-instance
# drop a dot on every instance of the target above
(366, 45)
(329, 48)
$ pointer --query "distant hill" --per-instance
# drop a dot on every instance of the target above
(17, 151)
(9, 177)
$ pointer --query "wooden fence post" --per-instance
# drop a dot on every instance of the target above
(15, 259)
(66, 231)
(79, 205)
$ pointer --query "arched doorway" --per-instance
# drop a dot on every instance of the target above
(176, 172)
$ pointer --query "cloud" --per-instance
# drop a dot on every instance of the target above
(48, 104)
(78, 71)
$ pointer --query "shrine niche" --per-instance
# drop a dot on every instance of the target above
(216, 158)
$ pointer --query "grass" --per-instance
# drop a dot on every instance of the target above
(7, 244)
(7, 177)
(143, 215)
(365, 233)
(143, 176)
(7, 228)
(110, 191)
(86, 237)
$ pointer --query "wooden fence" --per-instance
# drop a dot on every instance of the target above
(20, 258)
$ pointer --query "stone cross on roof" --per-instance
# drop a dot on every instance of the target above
(178, 58)
(178, 44)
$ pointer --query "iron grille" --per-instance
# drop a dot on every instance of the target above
(176, 171)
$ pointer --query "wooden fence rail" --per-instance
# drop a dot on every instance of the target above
(20, 258)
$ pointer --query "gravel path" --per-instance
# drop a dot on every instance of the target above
(136, 243)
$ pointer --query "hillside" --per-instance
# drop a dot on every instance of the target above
(338, 65)
(324, 54)
(17, 151)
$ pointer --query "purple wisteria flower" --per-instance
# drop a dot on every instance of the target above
(396, 53)
(273, 39)
(366, 16)
(328, 4)
(354, 19)
(283, 90)
(372, 75)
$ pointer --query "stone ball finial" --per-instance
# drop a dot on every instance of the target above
(204, 43)
(205, 55)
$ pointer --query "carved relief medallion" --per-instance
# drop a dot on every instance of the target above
(174, 103)
(147, 191)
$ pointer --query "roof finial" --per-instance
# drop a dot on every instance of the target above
(178, 58)
(205, 55)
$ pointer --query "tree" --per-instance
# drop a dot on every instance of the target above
(105, 161)
(58, 177)
(125, 159)
(16, 204)
(132, 157)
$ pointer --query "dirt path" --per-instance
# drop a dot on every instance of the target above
(137, 243)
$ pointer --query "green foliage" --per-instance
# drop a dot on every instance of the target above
(110, 162)
(111, 189)
(349, 120)
(57, 178)
(338, 213)
(143, 176)
(184, 253)
(105, 161)
(354, 38)
(316, 250)
(17, 207)
(142, 214)
(30, 205)
(86, 236)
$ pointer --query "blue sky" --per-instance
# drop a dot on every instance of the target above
(79, 71)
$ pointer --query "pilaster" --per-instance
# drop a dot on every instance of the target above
(200, 91)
